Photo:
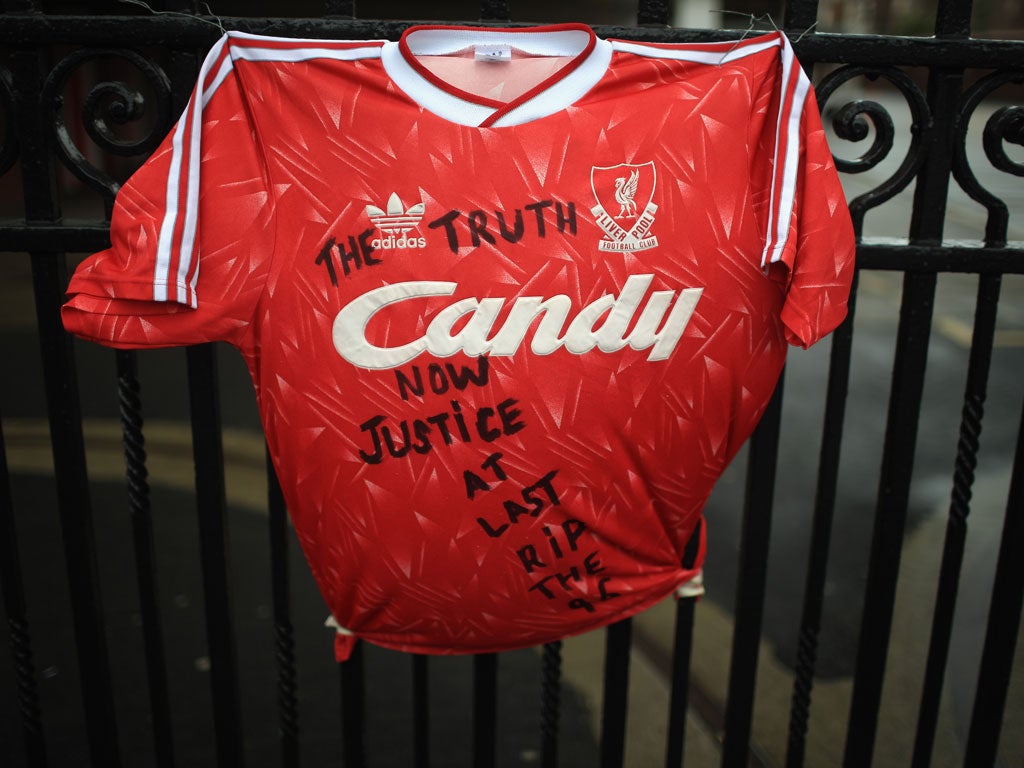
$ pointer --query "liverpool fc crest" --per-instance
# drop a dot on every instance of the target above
(625, 205)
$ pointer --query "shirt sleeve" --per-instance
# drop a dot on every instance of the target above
(191, 233)
(809, 228)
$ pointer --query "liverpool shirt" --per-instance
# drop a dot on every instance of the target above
(511, 300)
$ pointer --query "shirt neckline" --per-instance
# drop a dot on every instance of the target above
(589, 59)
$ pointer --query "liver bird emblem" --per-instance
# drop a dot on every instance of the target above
(625, 191)
(630, 188)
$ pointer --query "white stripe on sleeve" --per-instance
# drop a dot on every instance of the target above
(780, 210)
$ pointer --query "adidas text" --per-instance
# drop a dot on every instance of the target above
(391, 241)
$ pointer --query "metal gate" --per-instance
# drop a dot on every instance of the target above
(70, 123)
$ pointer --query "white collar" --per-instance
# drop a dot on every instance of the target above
(591, 58)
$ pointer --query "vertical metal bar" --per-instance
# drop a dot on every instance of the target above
(49, 277)
(353, 709)
(145, 562)
(799, 16)
(345, 9)
(550, 702)
(75, 508)
(959, 508)
(890, 516)
(20, 6)
(17, 623)
(926, 226)
(757, 523)
(821, 534)
(284, 642)
(1003, 624)
(495, 10)
(211, 500)
(681, 651)
(655, 12)
(485, 709)
(953, 18)
(211, 503)
(420, 711)
(616, 690)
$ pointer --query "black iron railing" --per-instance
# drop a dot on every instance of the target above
(40, 140)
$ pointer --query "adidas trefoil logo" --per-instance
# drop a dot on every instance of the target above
(395, 223)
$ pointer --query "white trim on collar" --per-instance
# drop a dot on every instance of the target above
(544, 42)
(566, 91)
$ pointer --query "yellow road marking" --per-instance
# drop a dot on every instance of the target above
(168, 455)
(960, 333)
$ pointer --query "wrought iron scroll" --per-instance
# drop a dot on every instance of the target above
(60, 381)
(1006, 124)
(851, 123)
(110, 102)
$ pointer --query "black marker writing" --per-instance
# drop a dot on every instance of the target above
(477, 223)
(535, 498)
(358, 254)
(421, 435)
(440, 378)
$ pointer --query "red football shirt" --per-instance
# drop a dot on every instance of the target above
(511, 301)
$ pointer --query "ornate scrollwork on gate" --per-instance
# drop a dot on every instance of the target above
(850, 122)
(1006, 124)
(108, 104)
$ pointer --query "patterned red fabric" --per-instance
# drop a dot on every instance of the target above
(502, 347)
